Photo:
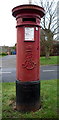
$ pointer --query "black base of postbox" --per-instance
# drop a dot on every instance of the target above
(27, 96)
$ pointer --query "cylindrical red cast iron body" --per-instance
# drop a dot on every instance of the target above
(28, 41)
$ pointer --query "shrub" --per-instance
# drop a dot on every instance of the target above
(3, 54)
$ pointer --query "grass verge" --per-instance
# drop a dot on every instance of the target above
(53, 60)
(48, 101)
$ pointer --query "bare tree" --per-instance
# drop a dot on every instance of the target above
(48, 25)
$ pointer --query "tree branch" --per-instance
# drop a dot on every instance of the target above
(47, 18)
(54, 25)
(41, 3)
(42, 28)
(53, 20)
(55, 29)
(50, 22)
(49, 8)
(54, 13)
(56, 33)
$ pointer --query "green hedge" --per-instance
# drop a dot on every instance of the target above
(3, 54)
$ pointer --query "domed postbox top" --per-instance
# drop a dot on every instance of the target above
(23, 9)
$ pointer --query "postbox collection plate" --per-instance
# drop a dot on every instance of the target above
(29, 34)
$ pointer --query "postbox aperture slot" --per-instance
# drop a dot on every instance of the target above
(29, 19)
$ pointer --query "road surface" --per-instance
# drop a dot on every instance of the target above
(8, 70)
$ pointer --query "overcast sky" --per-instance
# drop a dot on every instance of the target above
(8, 22)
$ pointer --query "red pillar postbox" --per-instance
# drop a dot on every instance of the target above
(28, 53)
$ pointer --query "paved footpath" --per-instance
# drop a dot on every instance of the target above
(8, 70)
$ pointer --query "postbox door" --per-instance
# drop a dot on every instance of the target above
(28, 52)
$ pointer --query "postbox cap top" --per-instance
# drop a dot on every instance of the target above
(28, 8)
